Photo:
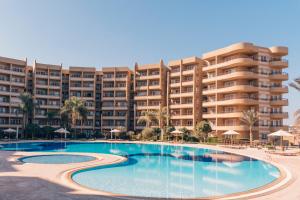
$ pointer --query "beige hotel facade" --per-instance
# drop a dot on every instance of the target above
(217, 86)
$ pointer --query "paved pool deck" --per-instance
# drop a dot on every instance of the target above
(19, 181)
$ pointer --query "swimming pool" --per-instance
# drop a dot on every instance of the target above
(154, 170)
(56, 159)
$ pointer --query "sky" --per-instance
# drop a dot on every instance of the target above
(121, 32)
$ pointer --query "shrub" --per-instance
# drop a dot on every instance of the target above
(213, 140)
(46, 132)
(130, 135)
(139, 136)
(32, 130)
(147, 133)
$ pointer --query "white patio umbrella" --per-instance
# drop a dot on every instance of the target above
(281, 133)
(114, 131)
(231, 133)
(62, 131)
(9, 131)
(177, 133)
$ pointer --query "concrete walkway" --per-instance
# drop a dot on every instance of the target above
(20, 181)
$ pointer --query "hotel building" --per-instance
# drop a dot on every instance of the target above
(12, 84)
(150, 90)
(244, 77)
(47, 90)
(217, 86)
(184, 92)
(82, 84)
(116, 83)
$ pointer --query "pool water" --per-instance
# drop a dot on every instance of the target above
(56, 159)
(164, 171)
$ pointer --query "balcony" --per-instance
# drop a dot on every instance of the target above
(187, 83)
(282, 63)
(11, 71)
(5, 81)
(47, 96)
(188, 72)
(279, 89)
(18, 83)
(231, 76)
(55, 76)
(231, 101)
(5, 92)
(154, 87)
(82, 88)
(40, 85)
(145, 77)
(182, 105)
(182, 116)
(281, 115)
(51, 106)
(55, 87)
(237, 87)
(279, 102)
(43, 76)
(279, 76)
(209, 115)
(175, 73)
(120, 88)
(231, 127)
(276, 128)
(175, 83)
(233, 61)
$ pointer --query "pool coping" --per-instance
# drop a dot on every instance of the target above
(277, 184)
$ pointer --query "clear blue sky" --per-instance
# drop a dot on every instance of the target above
(122, 32)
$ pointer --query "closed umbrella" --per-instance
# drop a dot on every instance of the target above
(231, 133)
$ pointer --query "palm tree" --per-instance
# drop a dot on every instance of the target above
(147, 117)
(162, 116)
(296, 84)
(202, 129)
(250, 117)
(26, 107)
(75, 109)
(50, 116)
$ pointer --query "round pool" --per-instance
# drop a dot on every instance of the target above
(164, 171)
(56, 159)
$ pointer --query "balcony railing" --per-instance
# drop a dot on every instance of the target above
(253, 58)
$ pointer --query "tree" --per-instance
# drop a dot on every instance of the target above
(169, 129)
(162, 118)
(47, 131)
(147, 117)
(50, 116)
(250, 117)
(185, 132)
(26, 107)
(34, 129)
(296, 85)
(75, 109)
(202, 129)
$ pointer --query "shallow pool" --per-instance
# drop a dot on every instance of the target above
(166, 171)
(56, 159)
